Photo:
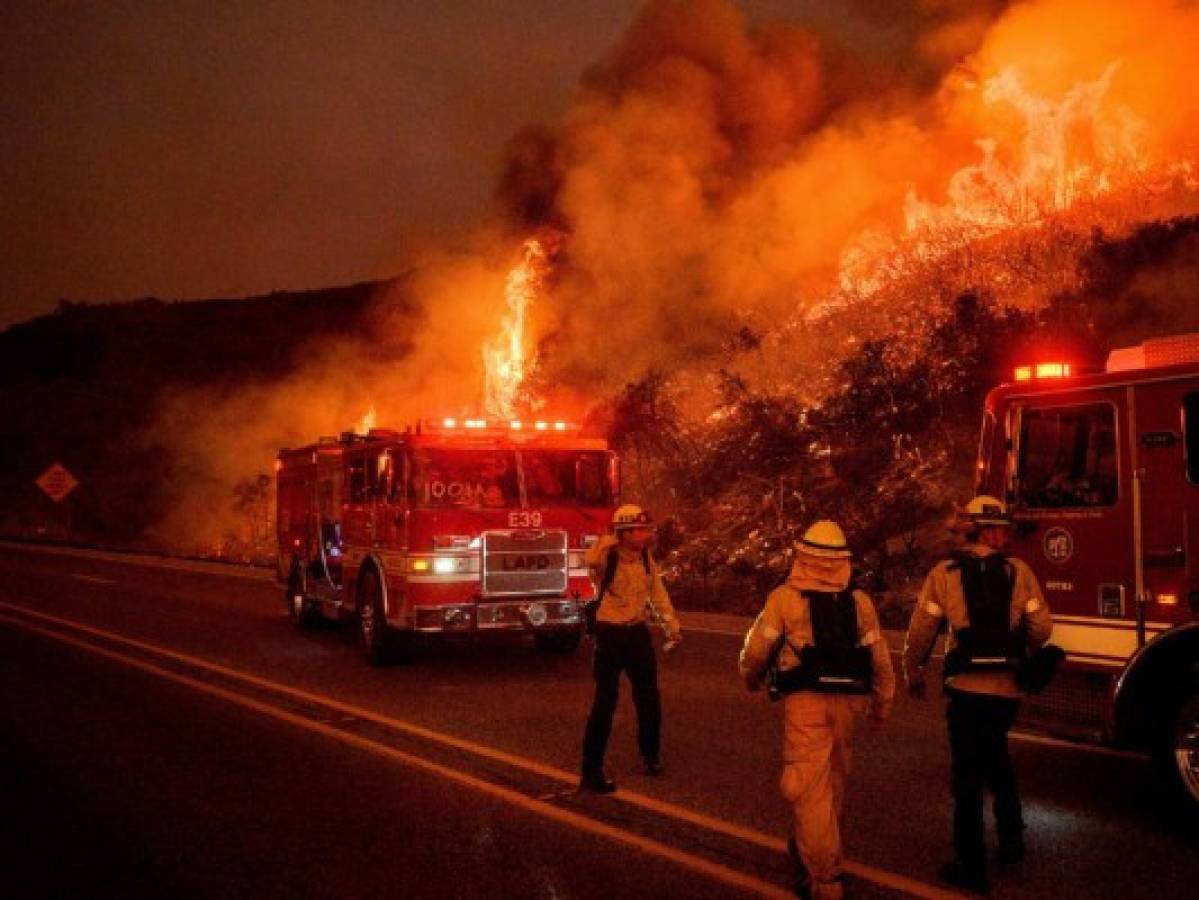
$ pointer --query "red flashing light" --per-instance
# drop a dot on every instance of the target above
(1044, 370)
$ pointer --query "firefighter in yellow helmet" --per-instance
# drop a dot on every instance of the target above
(630, 594)
(997, 615)
(817, 642)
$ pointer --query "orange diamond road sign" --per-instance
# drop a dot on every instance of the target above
(57, 482)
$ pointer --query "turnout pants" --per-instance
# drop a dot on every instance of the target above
(818, 734)
(620, 648)
(978, 728)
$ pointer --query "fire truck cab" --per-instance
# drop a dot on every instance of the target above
(1101, 472)
(456, 527)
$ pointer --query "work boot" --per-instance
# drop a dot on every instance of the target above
(1011, 851)
(597, 782)
(968, 878)
(653, 767)
(801, 880)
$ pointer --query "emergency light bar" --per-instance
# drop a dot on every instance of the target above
(456, 425)
(1044, 370)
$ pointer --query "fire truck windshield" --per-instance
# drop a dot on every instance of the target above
(1068, 456)
(485, 478)
(565, 477)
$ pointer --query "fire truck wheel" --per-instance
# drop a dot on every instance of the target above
(1185, 749)
(299, 608)
(372, 626)
(558, 641)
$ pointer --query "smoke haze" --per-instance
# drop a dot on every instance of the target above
(714, 174)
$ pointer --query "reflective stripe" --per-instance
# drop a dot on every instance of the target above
(932, 609)
(869, 638)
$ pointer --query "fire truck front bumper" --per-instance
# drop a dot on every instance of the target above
(520, 614)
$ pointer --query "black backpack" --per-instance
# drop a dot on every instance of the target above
(834, 663)
(989, 643)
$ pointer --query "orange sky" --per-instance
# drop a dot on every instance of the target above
(188, 150)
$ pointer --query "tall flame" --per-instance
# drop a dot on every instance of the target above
(504, 359)
(367, 422)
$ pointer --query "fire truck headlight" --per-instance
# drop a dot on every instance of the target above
(456, 617)
(444, 565)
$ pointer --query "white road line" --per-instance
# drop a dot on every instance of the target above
(93, 578)
(230, 570)
(882, 877)
(715, 871)
(200, 567)
(1030, 737)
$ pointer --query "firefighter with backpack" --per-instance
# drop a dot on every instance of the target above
(817, 644)
(630, 595)
(997, 616)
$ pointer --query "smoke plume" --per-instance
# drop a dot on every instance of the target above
(716, 177)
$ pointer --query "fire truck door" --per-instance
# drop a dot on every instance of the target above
(1069, 481)
(386, 495)
(1168, 500)
(356, 515)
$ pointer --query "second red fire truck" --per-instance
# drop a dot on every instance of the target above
(455, 527)
(1101, 472)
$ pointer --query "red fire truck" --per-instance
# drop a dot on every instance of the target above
(454, 527)
(1101, 472)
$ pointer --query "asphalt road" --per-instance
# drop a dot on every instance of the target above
(165, 731)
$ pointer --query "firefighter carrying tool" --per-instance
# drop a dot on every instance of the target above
(455, 527)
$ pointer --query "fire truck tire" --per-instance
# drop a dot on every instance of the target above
(1184, 749)
(372, 624)
(299, 607)
(558, 641)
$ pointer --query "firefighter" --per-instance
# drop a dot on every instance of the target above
(628, 581)
(818, 641)
(997, 615)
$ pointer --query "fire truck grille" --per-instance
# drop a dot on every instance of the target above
(524, 563)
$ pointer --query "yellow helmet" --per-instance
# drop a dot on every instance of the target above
(986, 510)
(824, 539)
(630, 516)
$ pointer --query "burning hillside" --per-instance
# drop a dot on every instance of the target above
(745, 226)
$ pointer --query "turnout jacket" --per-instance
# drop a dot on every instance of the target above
(942, 599)
(625, 600)
(787, 613)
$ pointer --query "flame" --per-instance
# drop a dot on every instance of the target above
(504, 359)
(1071, 150)
(367, 422)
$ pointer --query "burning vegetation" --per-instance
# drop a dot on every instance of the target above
(779, 275)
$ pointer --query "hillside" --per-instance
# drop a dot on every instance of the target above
(80, 387)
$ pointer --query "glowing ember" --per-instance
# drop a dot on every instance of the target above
(504, 359)
(367, 422)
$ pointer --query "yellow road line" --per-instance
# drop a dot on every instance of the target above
(575, 820)
(680, 813)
